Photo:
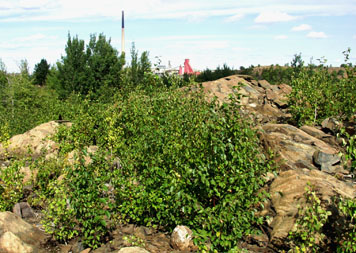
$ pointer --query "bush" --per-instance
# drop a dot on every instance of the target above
(80, 205)
(197, 163)
(317, 95)
(308, 235)
(11, 186)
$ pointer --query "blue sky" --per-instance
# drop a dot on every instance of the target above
(208, 32)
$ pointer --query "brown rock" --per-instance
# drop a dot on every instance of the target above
(21, 233)
(10, 243)
(287, 192)
(132, 250)
(35, 141)
(65, 248)
(294, 147)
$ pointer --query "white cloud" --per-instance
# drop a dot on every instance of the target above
(302, 27)
(67, 10)
(354, 37)
(235, 18)
(317, 35)
(281, 37)
(274, 17)
(35, 40)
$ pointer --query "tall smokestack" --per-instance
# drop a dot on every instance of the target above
(123, 33)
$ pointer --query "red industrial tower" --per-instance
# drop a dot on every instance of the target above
(187, 69)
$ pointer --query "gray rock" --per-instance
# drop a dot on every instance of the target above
(23, 210)
(326, 161)
(331, 125)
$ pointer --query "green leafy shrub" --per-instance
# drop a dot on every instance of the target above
(80, 205)
(186, 161)
(317, 95)
(347, 239)
(308, 235)
(219, 72)
(11, 185)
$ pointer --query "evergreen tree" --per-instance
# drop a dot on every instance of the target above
(103, 63)
(73, 69)
(88, 69)
(41, 71)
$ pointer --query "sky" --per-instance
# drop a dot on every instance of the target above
(208, 32)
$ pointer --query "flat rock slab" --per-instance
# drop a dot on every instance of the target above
(294, 147)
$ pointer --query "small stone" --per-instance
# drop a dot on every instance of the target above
(140, 232)
(17, 209)
(181, 238)
(65, 248)
(26, 210)
(133, 250)
(128, 229)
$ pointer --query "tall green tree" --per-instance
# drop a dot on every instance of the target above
(89, 68)
(73, 68)
(103, 62)
(41, 71)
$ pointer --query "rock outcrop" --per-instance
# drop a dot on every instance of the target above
(16, 235)
(33, 142)
(287, 194)
(260, 100)
(294, 147)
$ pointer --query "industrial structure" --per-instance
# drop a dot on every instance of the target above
(161, 69)
(123, 33)
(187, 69)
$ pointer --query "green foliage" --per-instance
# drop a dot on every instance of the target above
(308, 235)
(274, 74)
(87, 128)
(40, 72)
(24, 106)
(3, 79)
(139, 68)
(347, 239)
(73, 69)
(24, 68)
(103, 62)
(84, 70)
(176, 151)
(349, 142)
(11, 186)
(220, 72)
(81, 202)
(316, 95)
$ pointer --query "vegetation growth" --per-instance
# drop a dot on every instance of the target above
(198, 163)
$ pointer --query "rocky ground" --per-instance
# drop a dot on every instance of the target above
(305, 154)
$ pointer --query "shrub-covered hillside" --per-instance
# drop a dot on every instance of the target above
(135, 148)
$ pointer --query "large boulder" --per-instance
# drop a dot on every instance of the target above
(294, 147)
(16, 235)
(33, 142)
(287, 193)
